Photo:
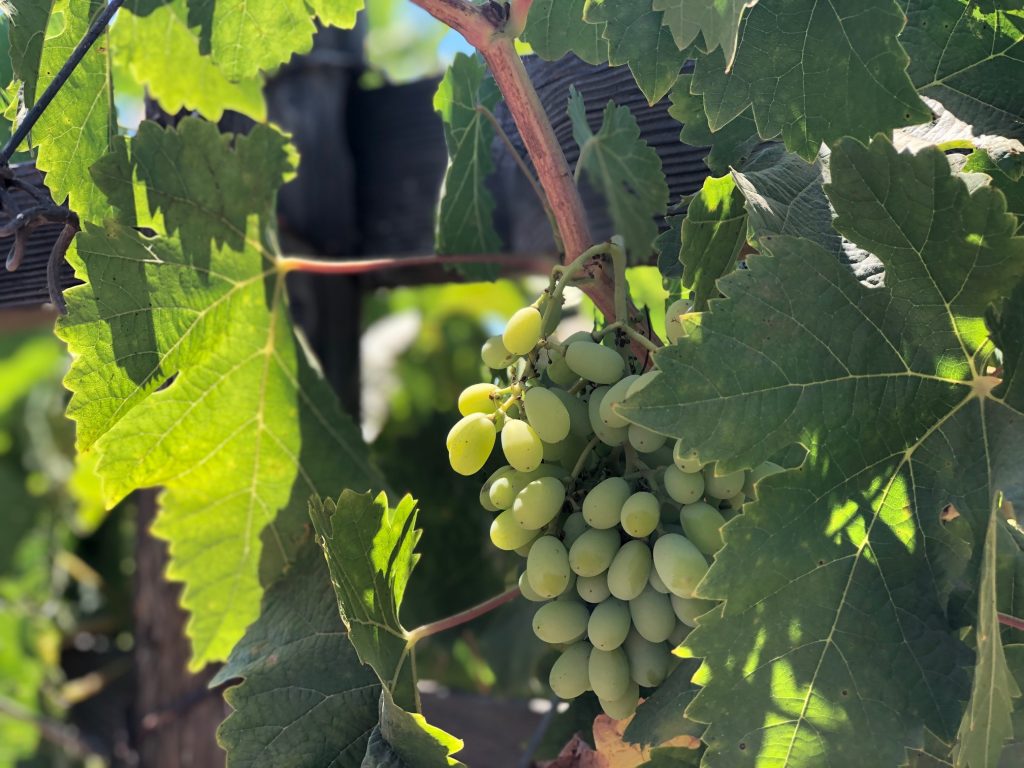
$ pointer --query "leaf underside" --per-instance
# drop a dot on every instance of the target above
(556, 27)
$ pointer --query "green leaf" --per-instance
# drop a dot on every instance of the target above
(304, 699)
(26, 32)
(76, 129)
(730, 146)
(969, 56)
(661, 717)
(636, 37)
(370, 552)
(188, 373)
(980, 162)
(718, 22)
(834, 629)
(181, 77)
(986, 725)
(625, 169)
(668, 245)
(407, 740)
(814, 72)
(556, 27)
(714, 231)
(465, 215)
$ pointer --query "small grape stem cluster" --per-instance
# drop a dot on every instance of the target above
(616, 524)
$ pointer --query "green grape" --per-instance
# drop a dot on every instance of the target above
(686, 460)
(608, 435)
(648, 662)
(521, 446)
(494, 354)
(554, 452)
(593, 552)
(615, 395)
(609, 673)
(630, 570)
(547, 414)
(522, 331)
(652, 615)
(561, 621)
(552, 314)
(508, 534)
(724, 486)
(757, 474)
(684, 487)
(602, 507)
(640, 514)
(687, 609)
(656, 583)
(504, 489)
(679, 634)
(624, 706)
(673, 324)
(478, 398)
(596, 363)
(593, 589)
(579, 420)
(644, 440)
(702, 525)
(572, 447)
(641, 382)
(573, 528)
(558, 371)
(736, 502)
(680, 564)
(547, 567)
(470, 442)
(527, 591)
(661, 457)
(608, 625)
(570, 674)
(539, 503)
(485, 489)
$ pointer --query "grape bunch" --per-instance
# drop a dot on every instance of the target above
(616, 524)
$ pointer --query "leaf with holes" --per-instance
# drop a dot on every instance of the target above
(834, 631)
(556, 27)
(187, 371)
(718, 23)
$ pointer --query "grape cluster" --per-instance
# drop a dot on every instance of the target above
(617, 526)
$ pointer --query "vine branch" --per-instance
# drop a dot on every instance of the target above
(362, 266)
(463, 617)
(1011, 621)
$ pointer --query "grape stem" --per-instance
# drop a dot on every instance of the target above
(463, 617)
(1011, 621)
(287, 264)
(582, 460)
(632, 333)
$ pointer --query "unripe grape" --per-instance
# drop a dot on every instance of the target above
(521, 446)
(602, 507)
(736, 502)
(485, 489)
(547, 415)
(594, 362)
(630, 570)
(522, 331)
(494, 354)
(504, 489)
(757, 474)
(640, 514)
(570, 674)
(553, 452)
(527, 591)
(470, 442)
(558, 371)
(652, 615)
(547, 567)
(673, 323)
(573, 528)
(679, 634)
(680, 564)
(723, 486)
(579, 420)
(593, 589)
(477, 398)
(539, 503)
(508, 534)
(608, 625)
(561, 621)
(656, 583)
(684, 487)
(608, 435)
(641, 382)
(648, 662)
(686, 460)
(592, 553)
(644, 439)
(702, 525)
(687, 609)
(615, 395)
(624, 706)
(609, 673)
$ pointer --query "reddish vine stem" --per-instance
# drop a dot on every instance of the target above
(463, 617)
(362, 266)
(1011, 621)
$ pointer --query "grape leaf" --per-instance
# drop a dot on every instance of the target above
(407, 740)
(815, 71)
(187, 372)
(625, 169)
(713, 232)
(304, 699)
(636, 37)
(969, 56)
(26, 32)
(181, 77)
(986, 725)
(717, 22)
(660, 718)
(980, 162)
(465, 214)
(834, 632)
(556, 27)
(730, 145)
(370, 553)
(668, 245)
